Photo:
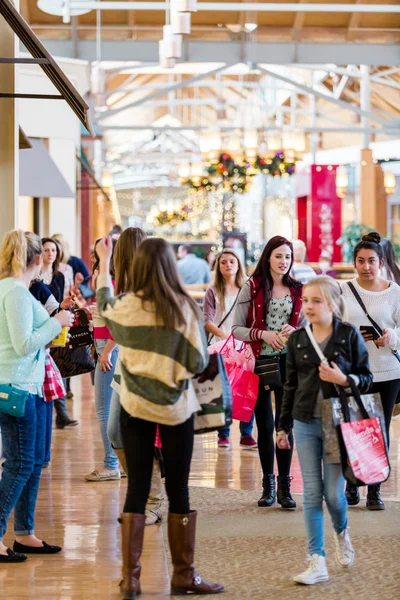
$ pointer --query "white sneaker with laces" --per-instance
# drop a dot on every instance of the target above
(316, 572)
(344, 550)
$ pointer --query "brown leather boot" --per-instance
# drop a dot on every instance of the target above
(132, 528)
(181, 537)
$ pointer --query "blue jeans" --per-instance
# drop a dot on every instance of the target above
(114, 425)
(318, 484)
(245, 428)
(102, 397)
(24, 442)
(49, 431)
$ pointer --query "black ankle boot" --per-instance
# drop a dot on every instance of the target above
(284, 497)
(352, 494)
(374, 500)
(268, 495)
(63, 419)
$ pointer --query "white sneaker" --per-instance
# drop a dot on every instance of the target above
(315, 573)
(343, 548)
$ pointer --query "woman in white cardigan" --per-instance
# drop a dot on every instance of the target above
(381, 299)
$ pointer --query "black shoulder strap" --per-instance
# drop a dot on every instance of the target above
(229, 311)
(211, 335)
(361, 303)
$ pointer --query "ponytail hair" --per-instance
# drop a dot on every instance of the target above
(18, 252)
(332, 293)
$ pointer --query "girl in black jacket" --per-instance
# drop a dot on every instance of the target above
(308, 382)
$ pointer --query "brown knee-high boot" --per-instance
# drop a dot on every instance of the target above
(132, 528)
(182, 539)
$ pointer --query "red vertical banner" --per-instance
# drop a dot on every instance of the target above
(324, 214)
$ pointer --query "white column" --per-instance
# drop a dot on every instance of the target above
(9, 135)
(365, 102)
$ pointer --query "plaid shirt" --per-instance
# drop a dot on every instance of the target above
(53, 387)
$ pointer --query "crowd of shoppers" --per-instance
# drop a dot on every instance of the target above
(151, 339)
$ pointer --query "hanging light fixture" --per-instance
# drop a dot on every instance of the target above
(196, 170)
(184, 5)
(61, 9)
(180, 22)
(172, 47)
(389, 182)
(184, 171)
(165, 62)
(342, 181)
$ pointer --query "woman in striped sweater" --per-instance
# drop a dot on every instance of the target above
(162, 344)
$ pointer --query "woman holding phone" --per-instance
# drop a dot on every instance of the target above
(381, 299)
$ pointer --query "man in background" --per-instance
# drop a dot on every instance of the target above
(192, 269)
(300, 270)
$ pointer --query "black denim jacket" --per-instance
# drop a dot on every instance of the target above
(346, 348)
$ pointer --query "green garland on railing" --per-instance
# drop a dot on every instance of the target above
(236, 177)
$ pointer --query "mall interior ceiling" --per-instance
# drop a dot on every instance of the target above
(322, 71)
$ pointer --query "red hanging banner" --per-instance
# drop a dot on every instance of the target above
(324, 214)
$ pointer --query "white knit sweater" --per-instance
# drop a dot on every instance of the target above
(384, 308)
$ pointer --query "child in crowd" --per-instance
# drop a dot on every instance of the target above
(308, 381)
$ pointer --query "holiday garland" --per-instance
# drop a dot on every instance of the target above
(235, 177)
(171, 217)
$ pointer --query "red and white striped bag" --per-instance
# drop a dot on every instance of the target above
(53, 386)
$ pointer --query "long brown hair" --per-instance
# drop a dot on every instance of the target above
(96, 263)
(125, 248)
(263, 270)
(219, 281)
(155, 279)
(56, 263)
(18, 252)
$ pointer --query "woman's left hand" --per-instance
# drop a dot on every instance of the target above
(287, 330)
(384, 340)
(332, 374)
(104, 249)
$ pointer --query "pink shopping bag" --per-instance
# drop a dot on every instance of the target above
(366, 450)
(244, 386)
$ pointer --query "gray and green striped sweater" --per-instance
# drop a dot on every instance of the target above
(157, 364)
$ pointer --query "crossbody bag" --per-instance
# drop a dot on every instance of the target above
(12, 399)
(268, 368)
(370, 319)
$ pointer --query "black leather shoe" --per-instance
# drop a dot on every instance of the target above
(12, 557)
(284, 497)
(268, 495)
(63, 422)
(45, 549)
(352, 494)
(374, 500)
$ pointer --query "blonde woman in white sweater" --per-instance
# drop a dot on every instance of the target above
(381, 299)
(162, 342)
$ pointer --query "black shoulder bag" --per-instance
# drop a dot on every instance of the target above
(268, 368)
(370, 319)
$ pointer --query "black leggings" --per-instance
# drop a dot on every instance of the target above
(266, 425)
(389, 390)
(138, 438)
